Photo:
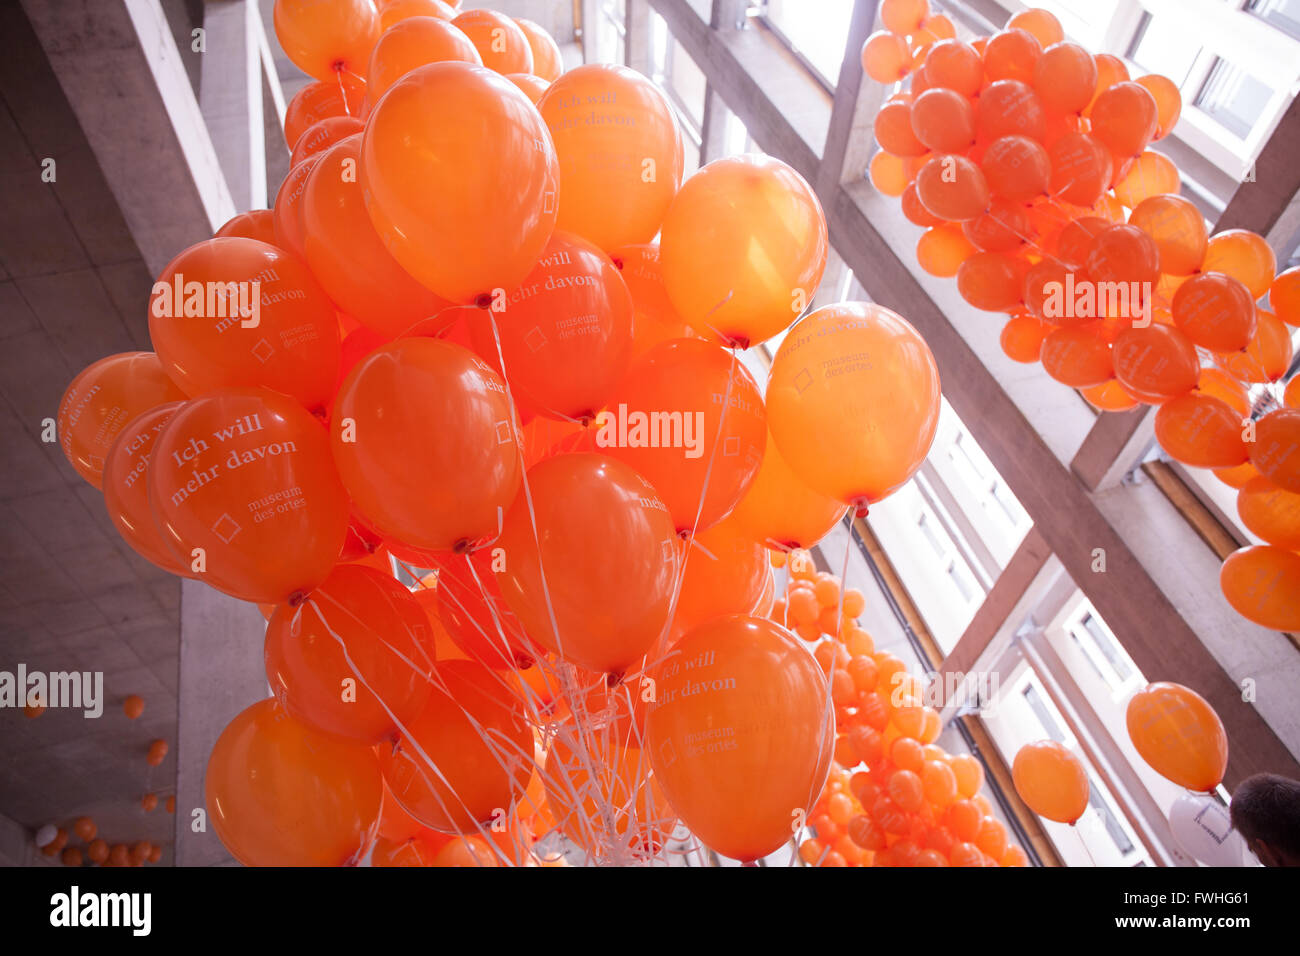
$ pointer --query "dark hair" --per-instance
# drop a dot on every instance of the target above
(1267, 807)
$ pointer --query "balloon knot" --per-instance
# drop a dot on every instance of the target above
(738, 342)
(320, 413)
(612, 679)
(338, 66)
(618, 262)
(860, 506)
(685, 533)
(296, 598)
(483, 300)
(463, 546)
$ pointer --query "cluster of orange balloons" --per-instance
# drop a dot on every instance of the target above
(487, 334)
(892, 797)
(1028, 162)
(95, 849)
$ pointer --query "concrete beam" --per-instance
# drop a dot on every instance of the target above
(230, 97)
(1263, 201)
(636, 37)
(851, 140)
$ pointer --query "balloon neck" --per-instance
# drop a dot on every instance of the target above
(618, 262)
(338, 66)
(585, 418)
(613, 679)
(860, 507)
(320, 413)
(737, 342)
(483, 301)
(685, 533)
(463, 546)
(296, 598)
(749, 863)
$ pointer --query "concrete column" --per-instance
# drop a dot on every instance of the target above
(230, 97)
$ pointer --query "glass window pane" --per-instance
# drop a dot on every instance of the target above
(1233, 97)
(1163, 46)
(816, 30)
(1283, 14)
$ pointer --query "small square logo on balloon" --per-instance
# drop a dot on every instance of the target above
(667, 753)
(503, 432)
(731, 446)
(535, 340)
(263, 350)
(226, 528)
(803, 381)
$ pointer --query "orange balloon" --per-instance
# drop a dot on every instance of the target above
(1244, 255)
(1012, 54)
(888, 173)
(656, 320)
(1178, 229)
(1169, 102)
(955, 65)
(1157, 361)
(533, 87)
(943, 249)
(726, 571)
(1178, 734)
(97, 851)
(1151, 174)
(1202, 430)
(885, 57)
(1108, 397)
(743, 248)
(102, 400)
(503, 46)
(286, 216)
(1237, 477)
(1022, 338)
(281, 793)
(1006, 227)
(1125, 118)
(1075, 356)
(914, 211)
(475, 614)
(326, 40)
(254, 224)
(1291, 397)
(343, 249)
(565, 334)
(1262, 583)
(392, 12)
(942, 120)
(859, 362)
(1110, 70)
(424, 440)
(779, 510)
(436, 150)
(903, 17)
(617, 138)
(1270, 512)
(1051, 780)
(734, 759)
(688, 418)
(411, 43)
(992, 281)
(1284, 296)
(1039, 23)
(1276, 448)
(275, 327)
(548, 64)
(1065, 77)
(1016, 168)
(1221, 385)
(351, 660)
(1009, 108)
(341, 95)
(1268, 355)
(243, 489)
(598, 587)
(1125, 254)
(893, 129)
(469, 851)
(463, 757)
(126, 488)
(1215, 311)
(133, 706)
(1081, 169)
(952, 187)
(322, 135)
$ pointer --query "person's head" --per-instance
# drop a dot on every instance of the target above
(1265, 810)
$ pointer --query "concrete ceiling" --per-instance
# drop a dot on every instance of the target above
(73, 596)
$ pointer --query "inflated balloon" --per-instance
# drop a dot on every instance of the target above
(1004, 228)
(392, 12)
(943, 120)
(465, 754)
(743, 248)
(565, 334)
(1016, 168)
(656, 319)
(341, 95)
(689, 418)
(283, 794)
(1169, 102)
(1203, 828)
(475, 614)
(1284, 296)
(102, 400)
(859, 362)
(1156, 361)
(256, 224)
(952, 187)
(914, 211)
(1009, 108)
(1275, 450)
(992, 281)
(353, 659)
(1151, 174)
(324, 134)
(436, 150)
(1012, 55)
(726, 573)
(955, 65)
(1237, 477)
(893, 129)
(1110, 70)
(1051, 780)
(888, 173)
(126, 488)
(1065, 78)
(548, 64)
(734, 760)
(885, 57)
(942, 250)
(533, 87)
(1075, 356)
(1125, 118)
(1124, 254)
(343, 249)
(779, 510)
(1109, 397)
(1215, 311)
(1267, 357)
(1244, 255)
(237, 312)
(1178, 229)
(243, 489)
(1081, 169)
(590, 560)
(1179, 735)
(1202, 430)
(1270, 512)
(423, 437)
(1022, 338)
(503, 46)
(1040, 24)
(286, 215)
(904, 17)
(1262, 583)
(411, 43)
(324, 40)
